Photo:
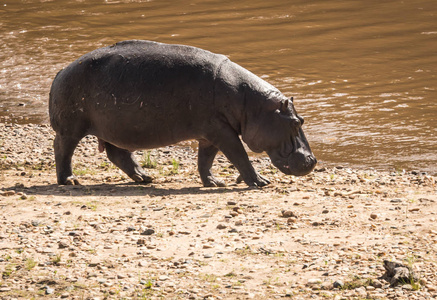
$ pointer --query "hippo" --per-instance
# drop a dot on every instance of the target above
(138, 94)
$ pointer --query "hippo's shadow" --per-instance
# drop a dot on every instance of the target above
(121, 189)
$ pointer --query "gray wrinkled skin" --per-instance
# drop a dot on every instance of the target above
(140, 95)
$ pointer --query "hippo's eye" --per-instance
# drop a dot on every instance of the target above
(301, 120)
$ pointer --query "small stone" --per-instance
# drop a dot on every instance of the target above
(361, 291)
(163, 278)
(65, 295)
(141, 242)
(232, 203)
(325, 211)
(377, 284)
(208, 256)
(5, 289)
(62, 245)
(149, 231)
(94, 262)
(143, 263)
(373, 216)
(338, 284)
(431, 288)
(221, 226)
(314, 281)
(288, 214)
(291, 220)
(49, 290)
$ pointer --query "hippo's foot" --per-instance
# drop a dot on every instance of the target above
(71, 180)
(259, 181)
(141, 178)
(211, 181)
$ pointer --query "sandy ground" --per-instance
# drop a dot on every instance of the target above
(322, 236)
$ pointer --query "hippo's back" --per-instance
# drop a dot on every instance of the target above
(146, 82)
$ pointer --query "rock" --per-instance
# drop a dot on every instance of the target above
(49, 290)
(397, 273)
(141, 242)
(288, 214)
(8, 193)
(377, 283)
(163, 278)
(94, 262)
(373, 216)
(291, 220)
(221, 226)
(361, 291)
(149, 231)
(65, 295)
(62, 244)
(338, 284)
(431, 288)
(313, 281)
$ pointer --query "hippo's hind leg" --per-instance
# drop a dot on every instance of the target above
(126, 161)
(206, 155)
(64, 146)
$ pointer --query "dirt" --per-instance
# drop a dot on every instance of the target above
(322, 236)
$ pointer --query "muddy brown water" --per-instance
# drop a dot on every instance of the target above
(363, 73)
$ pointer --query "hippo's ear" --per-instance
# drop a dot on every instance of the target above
(284, 106)
(291, 99)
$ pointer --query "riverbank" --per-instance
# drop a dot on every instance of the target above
(322, 236)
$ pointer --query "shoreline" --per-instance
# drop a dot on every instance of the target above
(45, 135)
(322, 236)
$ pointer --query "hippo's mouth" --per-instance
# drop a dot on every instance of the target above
(294, 156)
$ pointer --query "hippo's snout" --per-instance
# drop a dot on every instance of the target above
(295, 156)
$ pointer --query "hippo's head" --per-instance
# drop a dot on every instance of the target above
(277, 130)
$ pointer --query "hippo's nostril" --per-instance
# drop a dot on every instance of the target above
(311, 160)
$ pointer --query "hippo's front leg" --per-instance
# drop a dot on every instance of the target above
(230, 144)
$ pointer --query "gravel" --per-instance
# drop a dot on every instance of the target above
(322, 236)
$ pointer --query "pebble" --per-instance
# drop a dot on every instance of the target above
(105, 248)
(288, 214)
(338, 284)
(221, 226)
(149, 231)
(49, 290)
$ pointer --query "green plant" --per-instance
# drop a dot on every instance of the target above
(356, 282)
(30, 264)
(148, 162)
(209, 277)
(175, 164)
(148, 284)
(56, 259)
(9, 269)
(81, 172)
(231, 274)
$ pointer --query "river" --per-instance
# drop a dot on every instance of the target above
(362, 73)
